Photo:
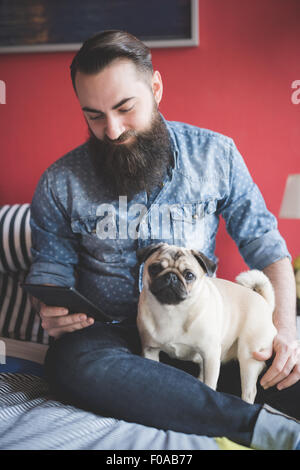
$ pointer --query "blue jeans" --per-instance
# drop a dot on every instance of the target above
(100, 369)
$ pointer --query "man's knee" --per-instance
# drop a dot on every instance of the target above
(75, 359)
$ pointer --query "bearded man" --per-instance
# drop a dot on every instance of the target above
(133, 152)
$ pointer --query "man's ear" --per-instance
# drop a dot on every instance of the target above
(144, 253)
(157, 87)
(206, 264)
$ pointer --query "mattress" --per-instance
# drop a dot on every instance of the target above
(31, 419)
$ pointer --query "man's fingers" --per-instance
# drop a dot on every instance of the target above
(285, 371)
(62, 320)
(291, 379)
(285, 368)
(48, 312)
(284, 362)
(274, 370)
(57, 320)
(57, 332)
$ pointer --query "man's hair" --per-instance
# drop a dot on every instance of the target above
(100, 50)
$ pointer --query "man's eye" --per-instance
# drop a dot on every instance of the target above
(94, 118)
(126, 110)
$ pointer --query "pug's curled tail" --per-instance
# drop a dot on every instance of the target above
(260, 283)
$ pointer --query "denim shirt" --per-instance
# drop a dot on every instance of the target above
(82, 236)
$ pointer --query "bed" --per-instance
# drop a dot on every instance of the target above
(33, 420)
(30, 418)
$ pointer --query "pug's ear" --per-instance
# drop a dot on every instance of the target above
(206, 264)
(143, 253)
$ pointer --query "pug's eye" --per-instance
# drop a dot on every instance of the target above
(154, 269)
(189, 276)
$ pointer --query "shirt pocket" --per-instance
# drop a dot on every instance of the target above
(98, 236)
(190, 223)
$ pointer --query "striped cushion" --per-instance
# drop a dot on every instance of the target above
(15, 238)
(17, 318)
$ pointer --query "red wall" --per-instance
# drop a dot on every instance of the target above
(237, 82)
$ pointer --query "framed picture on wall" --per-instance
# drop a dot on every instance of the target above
(63, 25)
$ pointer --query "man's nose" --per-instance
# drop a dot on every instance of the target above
(114, 128)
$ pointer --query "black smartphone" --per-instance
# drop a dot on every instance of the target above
(67, 297)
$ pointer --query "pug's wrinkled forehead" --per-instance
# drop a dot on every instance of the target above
(171, 256)
(174, 257)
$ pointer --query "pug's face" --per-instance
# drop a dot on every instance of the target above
(171, 273)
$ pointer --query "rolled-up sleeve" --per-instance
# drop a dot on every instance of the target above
(54, 246)
(248, 221)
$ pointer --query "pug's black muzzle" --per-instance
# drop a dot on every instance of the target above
(168, 289)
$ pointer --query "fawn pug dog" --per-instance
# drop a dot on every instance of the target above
(194, 317)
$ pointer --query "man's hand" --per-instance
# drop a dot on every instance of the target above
(57, 321)
(285, 368)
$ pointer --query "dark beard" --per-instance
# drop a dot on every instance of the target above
(127, 169)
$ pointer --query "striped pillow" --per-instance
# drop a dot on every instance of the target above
(15, 238)
(17, 318)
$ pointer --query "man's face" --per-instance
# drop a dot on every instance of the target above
(129, 143)
(118, 100)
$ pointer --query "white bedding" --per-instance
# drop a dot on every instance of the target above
(31, 419)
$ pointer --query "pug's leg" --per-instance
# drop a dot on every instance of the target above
(201, 368)
(249, 370)
(211, 366)
(198, 359)
(151, 353)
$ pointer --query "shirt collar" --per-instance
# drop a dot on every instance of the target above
(174, 146)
